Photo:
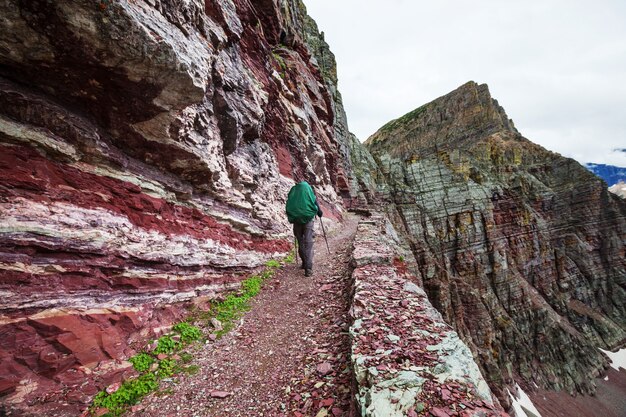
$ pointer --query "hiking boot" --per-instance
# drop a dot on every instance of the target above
(308, 272)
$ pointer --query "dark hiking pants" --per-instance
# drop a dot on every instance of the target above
(304, 235)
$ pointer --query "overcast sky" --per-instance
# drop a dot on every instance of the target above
(558, 67)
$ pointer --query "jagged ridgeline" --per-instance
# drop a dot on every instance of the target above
(521, 249)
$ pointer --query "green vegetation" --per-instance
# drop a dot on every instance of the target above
(272, 263)
(280, 60)
(252, 286)
(129, 393)
(142, 362)
(187, 332)
(190, 370)
(231, 309)
(166, 369)
(289, 259)
(281, 63)
(166, 345)
(164, 392)
(227, 312)
(404, 119)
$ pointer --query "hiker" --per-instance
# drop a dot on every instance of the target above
(301, 210)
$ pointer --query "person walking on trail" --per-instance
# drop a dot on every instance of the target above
(302, 207)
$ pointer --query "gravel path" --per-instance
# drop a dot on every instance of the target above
(288, 357)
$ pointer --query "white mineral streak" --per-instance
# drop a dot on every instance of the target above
(102, 231)
(66, 311)
(100, 302)
(269, 194)
(152, 188)
(36, 136)
(104, 300)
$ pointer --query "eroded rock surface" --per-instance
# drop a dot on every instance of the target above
(520, 249)
(146, 149)
(406, 359)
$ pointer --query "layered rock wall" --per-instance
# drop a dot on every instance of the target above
(146, 149)
(521, 250)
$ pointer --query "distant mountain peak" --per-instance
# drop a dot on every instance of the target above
(609, 173)
(464, 113)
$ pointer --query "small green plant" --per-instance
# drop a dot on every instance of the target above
(166, 345)
(251, 286)
(187, 332)
(280, 60)
(128, 394)
(167, 368)
(234, 306)
(142, 361)
(291, 257)
(272, 263)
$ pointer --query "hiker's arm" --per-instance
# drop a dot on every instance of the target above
(319, 210)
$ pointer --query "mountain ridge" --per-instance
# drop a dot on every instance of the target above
(478, 204)
(146, 151)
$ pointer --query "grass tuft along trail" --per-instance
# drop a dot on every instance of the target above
(288, 357)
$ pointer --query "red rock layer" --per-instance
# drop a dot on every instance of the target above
(28, 175)
(146, 150)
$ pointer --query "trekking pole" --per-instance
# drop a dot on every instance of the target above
(295, 248)
(324, 231)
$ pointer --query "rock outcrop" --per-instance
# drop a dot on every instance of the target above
(146, 149)
(520, 249)
(406, 359)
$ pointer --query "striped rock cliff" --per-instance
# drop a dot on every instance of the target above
(146, 149)
(520, 249)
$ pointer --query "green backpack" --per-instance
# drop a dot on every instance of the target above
(301, 207)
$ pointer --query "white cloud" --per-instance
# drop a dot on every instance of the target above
(558, 67)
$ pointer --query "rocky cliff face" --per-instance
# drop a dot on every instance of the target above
(521, 250)
(146, 149)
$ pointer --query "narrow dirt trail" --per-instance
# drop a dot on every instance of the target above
(290, 355)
